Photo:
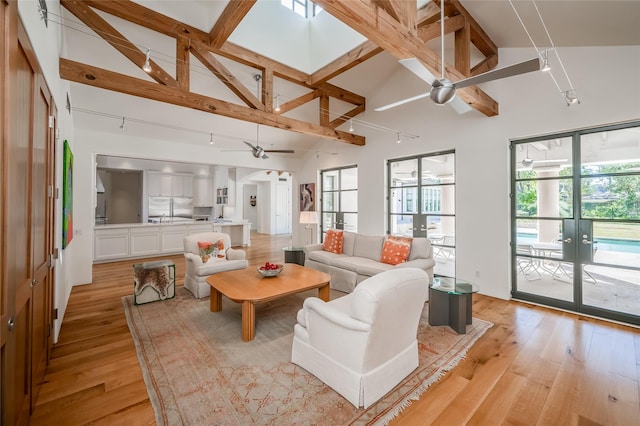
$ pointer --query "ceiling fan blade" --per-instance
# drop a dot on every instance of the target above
(281, 151)
(402, 102)
(510, 71)
(252, 147)
(416, 67)
(264, 156)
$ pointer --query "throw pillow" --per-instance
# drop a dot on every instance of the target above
(333, 241)
(212, 250)
(395, 250)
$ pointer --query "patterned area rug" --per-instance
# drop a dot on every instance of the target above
(199, 371)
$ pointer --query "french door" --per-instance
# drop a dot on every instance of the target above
(576, 221)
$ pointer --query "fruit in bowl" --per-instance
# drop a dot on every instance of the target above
(270, 269)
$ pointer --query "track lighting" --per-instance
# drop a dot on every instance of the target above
(122, 125)
(545, 61)
(147, 66)
(571, 97)
(211, 142)
(398, 137)
(351, 125)
(277, 103)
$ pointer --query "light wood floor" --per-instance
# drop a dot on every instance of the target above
(535, 366)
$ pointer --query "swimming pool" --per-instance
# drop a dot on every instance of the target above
(604, 244)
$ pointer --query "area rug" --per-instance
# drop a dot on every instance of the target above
(198, 371)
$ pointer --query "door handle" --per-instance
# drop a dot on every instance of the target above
(11, 324)
(567, 240)
(585, 241)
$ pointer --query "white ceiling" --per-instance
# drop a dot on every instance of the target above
(570, 23)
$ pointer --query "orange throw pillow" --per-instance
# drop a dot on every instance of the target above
(395, 249)
(333, 241)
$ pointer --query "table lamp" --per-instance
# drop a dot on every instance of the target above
(309, 218)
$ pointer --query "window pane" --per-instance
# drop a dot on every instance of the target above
(402, 225)
(548, 198)
(404, 173)
(349, 201)
(349, 178)
(617, 243)
(544, 158)
(611, 197)
(404, 200)
(330, 201)
(615, 151)
(438, 169)
(351, 222)
(330, 180)
(438, 199)
(328, 221)
(300, 9)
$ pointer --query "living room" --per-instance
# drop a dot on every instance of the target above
(530, 105)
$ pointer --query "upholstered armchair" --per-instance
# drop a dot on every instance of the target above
(363, 344)
(222, 258)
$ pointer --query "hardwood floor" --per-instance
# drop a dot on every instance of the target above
(535, 366)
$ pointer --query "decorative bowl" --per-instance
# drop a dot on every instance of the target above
(270, 272)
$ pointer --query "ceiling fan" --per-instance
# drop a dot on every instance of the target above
(260, 152)
(443, 91)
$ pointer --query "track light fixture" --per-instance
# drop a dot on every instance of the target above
(277, 109)
(571, 97)
(398, 137)
(545, 61)
(147, 66)
(351, 125)
(122, 125)
(211, 142)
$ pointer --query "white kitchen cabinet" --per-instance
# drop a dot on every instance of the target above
(171, 238)
(111, 244)
(169, 185)
(202, 192)
(144, 241)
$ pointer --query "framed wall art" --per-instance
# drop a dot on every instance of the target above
(67, 195)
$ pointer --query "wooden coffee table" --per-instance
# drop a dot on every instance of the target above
(248, 287)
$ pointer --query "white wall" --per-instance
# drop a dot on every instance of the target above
(529, 105)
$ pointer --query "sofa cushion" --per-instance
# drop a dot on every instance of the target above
(348, 241)
(368, 246)
(333, 241)
(420, 249)
(349, 263)
(372, 267)
(211, 268)
(395, 249)
(325, 257)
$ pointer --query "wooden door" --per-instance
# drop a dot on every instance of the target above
(27, 224)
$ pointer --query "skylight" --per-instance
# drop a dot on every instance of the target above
(304, 8)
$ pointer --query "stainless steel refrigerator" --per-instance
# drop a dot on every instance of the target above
(170, 207)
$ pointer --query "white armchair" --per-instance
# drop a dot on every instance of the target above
(197, 271)
(365, 343)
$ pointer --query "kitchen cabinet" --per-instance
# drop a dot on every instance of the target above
(169, 185)
(202, 192)
(139, 240)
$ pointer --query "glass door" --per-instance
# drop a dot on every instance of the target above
(576, 221)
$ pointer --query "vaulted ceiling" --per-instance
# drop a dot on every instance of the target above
(192, 44)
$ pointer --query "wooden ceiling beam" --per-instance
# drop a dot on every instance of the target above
(479, 37)
(386, 32)
(117, 40)
(345, 62)
(230, 18)
(299, 101)
(183, 60)
(109, 80)
(433, 31)
(346, 116)
(405, 12)
(224, 75)
(486, 65)
(462, 46)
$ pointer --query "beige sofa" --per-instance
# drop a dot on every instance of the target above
(360, 259)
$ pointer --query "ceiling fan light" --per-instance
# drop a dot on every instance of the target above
(442, 91)
(527, 163)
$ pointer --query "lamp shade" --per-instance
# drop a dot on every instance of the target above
(308, 217)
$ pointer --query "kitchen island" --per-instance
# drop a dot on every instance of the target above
(139, 240)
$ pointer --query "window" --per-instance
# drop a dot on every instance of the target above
(304, 8)
(339, 199)
(421, 203)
